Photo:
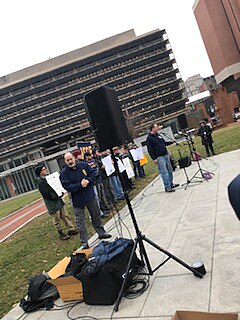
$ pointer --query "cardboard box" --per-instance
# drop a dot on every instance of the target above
(69, 288)
(192, 315)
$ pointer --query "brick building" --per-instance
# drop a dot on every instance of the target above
(219, 24)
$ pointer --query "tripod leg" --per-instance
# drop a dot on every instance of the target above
(196, 273)
(116, 307)
(144, 256)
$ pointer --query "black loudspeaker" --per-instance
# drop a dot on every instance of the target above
(182, 121)
(106, 118)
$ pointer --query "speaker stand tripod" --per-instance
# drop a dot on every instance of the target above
(195, 156)
(139, 241)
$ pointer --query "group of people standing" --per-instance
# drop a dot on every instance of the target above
(88, 186)
(85, 179)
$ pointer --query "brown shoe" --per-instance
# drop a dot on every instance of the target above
(72, 232)
(63, 236)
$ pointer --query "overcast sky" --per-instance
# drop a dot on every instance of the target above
(35, 30)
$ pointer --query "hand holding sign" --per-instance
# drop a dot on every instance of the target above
(55, 183)
(137, 154)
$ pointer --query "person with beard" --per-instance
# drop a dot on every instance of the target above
(158, 152)
(78, 178)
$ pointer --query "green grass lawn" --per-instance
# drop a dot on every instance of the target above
(37, 248)
(11, 205)
(226, 139)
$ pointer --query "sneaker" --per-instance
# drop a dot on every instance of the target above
(72, 232)
(175, 185)
(120, 199)
(104, 236)
(170, 190)
(105, 215)
(64, 236)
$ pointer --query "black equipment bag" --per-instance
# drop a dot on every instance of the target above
(102, 288)
(184, 162)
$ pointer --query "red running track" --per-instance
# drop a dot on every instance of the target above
(17, 220)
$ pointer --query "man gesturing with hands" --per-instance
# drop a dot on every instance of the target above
(77, 178)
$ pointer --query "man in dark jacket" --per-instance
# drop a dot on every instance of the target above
(78, 178)
(158, 152)
(54, 204)
(98, 186)
(205, 132)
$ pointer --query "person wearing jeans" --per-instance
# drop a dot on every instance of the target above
(117, 187)
(166, 171)
(158, 152)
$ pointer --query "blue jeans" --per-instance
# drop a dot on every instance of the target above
(117, 187)
(97, 199)
(165, 170)
(138, 170)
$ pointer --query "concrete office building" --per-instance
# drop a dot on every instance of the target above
(42, 107)
(219, 24)
(194, 85)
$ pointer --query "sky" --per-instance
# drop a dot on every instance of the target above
(33, 31)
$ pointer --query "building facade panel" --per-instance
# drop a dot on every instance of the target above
(218, 21)
(44, 110)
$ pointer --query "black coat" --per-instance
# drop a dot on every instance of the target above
(156, 146)
(234, 195)
(71, 180)
(206, 134)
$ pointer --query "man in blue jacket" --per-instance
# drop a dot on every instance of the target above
(78, 178)
(158, 152)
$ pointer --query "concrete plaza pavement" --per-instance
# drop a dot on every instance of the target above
(194, 224)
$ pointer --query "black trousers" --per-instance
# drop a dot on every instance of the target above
(207, 147)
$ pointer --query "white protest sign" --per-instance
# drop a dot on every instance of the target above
(54, 181)
(128, 167)
(109, 167)
(137, 154)
(120, 165)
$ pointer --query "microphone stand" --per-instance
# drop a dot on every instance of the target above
(194, 155)
(139, 241)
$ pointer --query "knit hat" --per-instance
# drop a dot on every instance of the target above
(38, 170)
(76, 153)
